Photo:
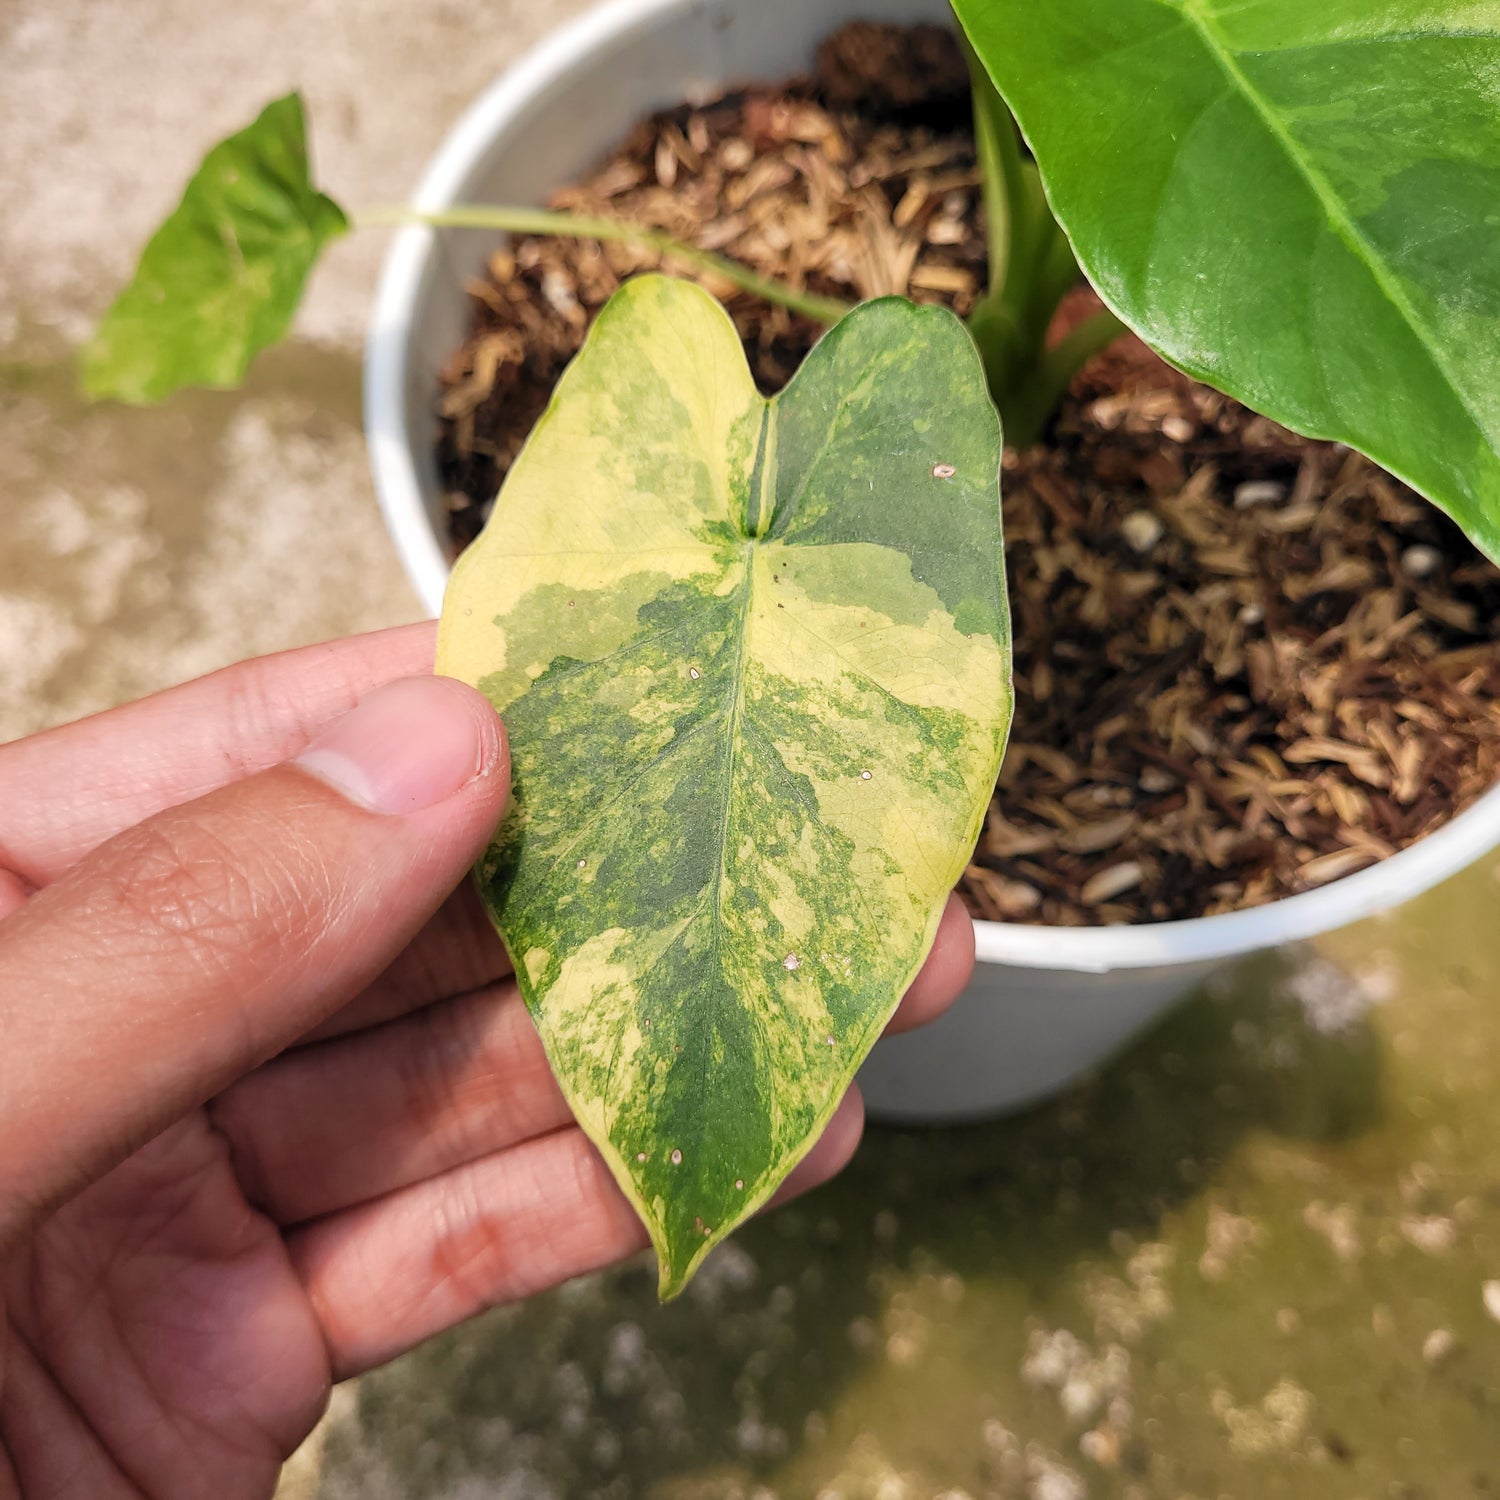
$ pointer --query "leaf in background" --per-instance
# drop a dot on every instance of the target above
(754, 660)
(1297, 201)
(221, 279)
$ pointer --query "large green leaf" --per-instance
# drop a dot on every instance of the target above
(754, 660)
(220, 280)
(1297, 201)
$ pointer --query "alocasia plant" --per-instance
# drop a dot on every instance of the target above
(753, 654)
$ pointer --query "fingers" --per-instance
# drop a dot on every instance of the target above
(403, 1111)
(328, 1126)
(185, 951)
(457, 951)
(385, 1276)
(14, 893)
(942, 978)
(66, 791)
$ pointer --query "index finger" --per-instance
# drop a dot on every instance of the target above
(66, 791)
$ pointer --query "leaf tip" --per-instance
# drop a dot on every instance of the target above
(677, 1265)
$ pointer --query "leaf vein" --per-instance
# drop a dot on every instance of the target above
(1194, 12)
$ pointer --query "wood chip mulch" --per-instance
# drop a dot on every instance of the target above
(1246, 664)
(852, 203)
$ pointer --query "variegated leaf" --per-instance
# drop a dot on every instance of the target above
(754, 660)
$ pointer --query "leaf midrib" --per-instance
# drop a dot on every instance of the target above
(1194, 13)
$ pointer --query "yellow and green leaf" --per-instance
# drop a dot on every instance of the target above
(754, 660)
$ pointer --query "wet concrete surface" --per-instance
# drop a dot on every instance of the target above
(1258, 1257)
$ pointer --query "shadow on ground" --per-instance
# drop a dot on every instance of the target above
(597, 1391)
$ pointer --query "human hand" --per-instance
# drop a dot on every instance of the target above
(271, 1110)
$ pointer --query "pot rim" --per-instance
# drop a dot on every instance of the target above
(398, 481)
(398, 484)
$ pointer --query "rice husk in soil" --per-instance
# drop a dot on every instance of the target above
(1246, 663)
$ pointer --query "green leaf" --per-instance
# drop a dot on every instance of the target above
(754, 660)
(1297, 201)
(221, 279)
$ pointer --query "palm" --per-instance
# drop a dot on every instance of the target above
(157, 1326)
(174, 1328)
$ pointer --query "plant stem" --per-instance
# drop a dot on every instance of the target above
(1031, 269)
(825, 310)
(1001, 174)
(1034, 401)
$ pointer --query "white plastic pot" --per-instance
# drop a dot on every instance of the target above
(1045, 1004)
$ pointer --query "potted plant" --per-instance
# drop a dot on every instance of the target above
(1406, 336)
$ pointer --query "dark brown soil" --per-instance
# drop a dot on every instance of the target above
(1246, 663)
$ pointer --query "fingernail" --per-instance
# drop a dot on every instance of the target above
(409, 745)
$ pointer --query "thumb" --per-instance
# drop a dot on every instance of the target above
(185, 951)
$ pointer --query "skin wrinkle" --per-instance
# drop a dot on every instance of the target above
(244, 1160)
(181, 890)
(10, 866)
(502, 1091)
(57, 1324)
(610, 1228)
(464, 954)
(469, 1249)
(120, 900)
(552, 1182)
(14, 1397)
(176, 1422)
(432, 1079)
(263, 713)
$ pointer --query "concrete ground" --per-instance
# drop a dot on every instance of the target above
(139, 549)
(1260, 1257)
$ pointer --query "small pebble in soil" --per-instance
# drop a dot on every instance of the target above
(1015, 900)
(1258, 492)
(1108, 884)
(1420, 561)
(1142, 530)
